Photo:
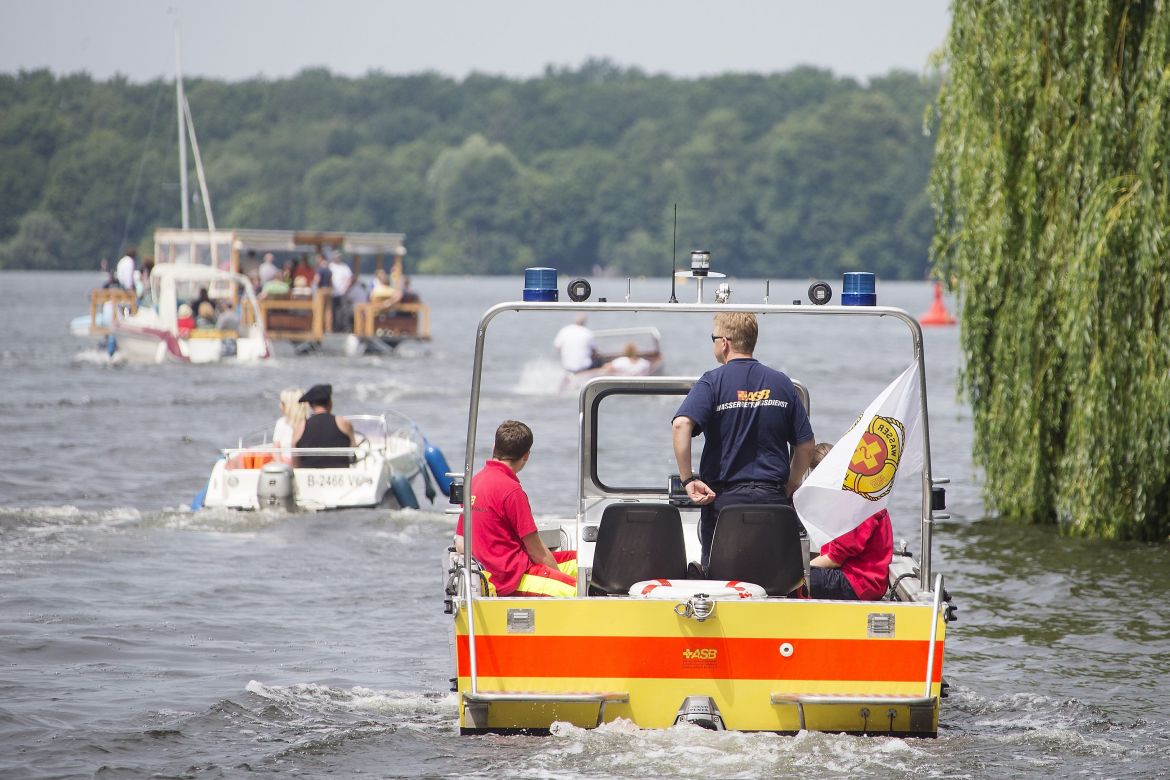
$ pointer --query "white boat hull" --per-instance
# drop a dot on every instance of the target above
(364, 484)
(376, 464)
(151, 345)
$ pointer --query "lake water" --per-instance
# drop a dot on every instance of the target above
(140, 639)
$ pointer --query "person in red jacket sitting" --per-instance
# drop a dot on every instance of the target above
(186, 320)
(856, 565)
(507, 542)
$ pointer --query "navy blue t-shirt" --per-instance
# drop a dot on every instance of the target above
(324, 278)
(748, 414)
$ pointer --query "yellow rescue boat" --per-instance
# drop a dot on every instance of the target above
(708, 653)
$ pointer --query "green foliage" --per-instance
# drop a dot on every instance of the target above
(89, 183)
(793, 174)
(1052, 192)
(39, 244)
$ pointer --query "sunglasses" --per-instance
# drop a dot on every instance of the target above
(715, 338)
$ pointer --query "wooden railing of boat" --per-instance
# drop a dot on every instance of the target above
(309, 319)
(396, 320)
(121, 299)
(295, 319)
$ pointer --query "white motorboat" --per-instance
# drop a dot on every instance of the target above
(157, 333)
(614, 343)
(390, 454)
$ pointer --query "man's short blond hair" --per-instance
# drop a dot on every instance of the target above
(741, 329)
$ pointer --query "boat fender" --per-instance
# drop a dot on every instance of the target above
(197, 502)
(403, 492)
(720, 590)
(439, 467)
(429, 485)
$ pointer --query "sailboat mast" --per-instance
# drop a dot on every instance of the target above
(180, 102)
(199, 171)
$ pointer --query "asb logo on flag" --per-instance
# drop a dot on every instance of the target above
(871, 470)
(856, 478)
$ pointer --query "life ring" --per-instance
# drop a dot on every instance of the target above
(720, 590)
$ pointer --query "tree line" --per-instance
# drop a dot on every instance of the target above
(788, 175)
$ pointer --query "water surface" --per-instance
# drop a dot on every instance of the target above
(139, 639)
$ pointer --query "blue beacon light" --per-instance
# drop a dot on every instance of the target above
(859, 288)
(540, 284)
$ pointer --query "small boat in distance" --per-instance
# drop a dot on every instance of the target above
(379, 319)
(390, 454)
(172, 330)
(621, 351)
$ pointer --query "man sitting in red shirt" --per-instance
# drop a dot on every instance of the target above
(855, 565)
(507, 543)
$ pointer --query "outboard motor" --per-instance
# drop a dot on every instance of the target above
(277, 488)
(701, 711)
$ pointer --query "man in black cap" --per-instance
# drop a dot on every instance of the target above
(322, 429)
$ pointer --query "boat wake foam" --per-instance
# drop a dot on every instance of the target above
(540, 377)
(620, 748)
(433, 710)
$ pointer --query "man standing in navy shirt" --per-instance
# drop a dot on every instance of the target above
(748, 414)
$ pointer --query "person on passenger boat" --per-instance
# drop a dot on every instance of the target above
(185, 319)
(206, 316)
(856, 565)
(577, 347)
(202, 298)
(383, 291)
(227, 318)
(126, 267)
(300, 268)
(146, 294)
(408, 295)
(268, 270)
(507, 543)
(748, 414)
(343, 278)
(301, 288)
(109, 279)
(274, 289)
(322, 429)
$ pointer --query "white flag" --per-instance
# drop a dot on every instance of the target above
(855, 479)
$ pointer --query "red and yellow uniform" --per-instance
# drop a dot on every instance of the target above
(503, 517)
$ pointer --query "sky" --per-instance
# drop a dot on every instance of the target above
(241, 39)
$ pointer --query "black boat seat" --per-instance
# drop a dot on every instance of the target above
(637, 542)
(760, 543)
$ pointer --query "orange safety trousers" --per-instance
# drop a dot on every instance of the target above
(542, 580)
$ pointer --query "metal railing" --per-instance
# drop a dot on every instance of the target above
(864, 312)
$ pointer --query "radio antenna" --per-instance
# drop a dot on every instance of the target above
(674, 256)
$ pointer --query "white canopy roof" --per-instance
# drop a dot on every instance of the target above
(288, 240)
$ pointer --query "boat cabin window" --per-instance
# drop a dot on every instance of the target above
(195, 248)
(637, 423)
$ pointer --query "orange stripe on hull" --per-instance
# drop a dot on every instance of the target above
(699, 658)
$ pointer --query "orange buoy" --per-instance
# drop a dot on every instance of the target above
(937, 314)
